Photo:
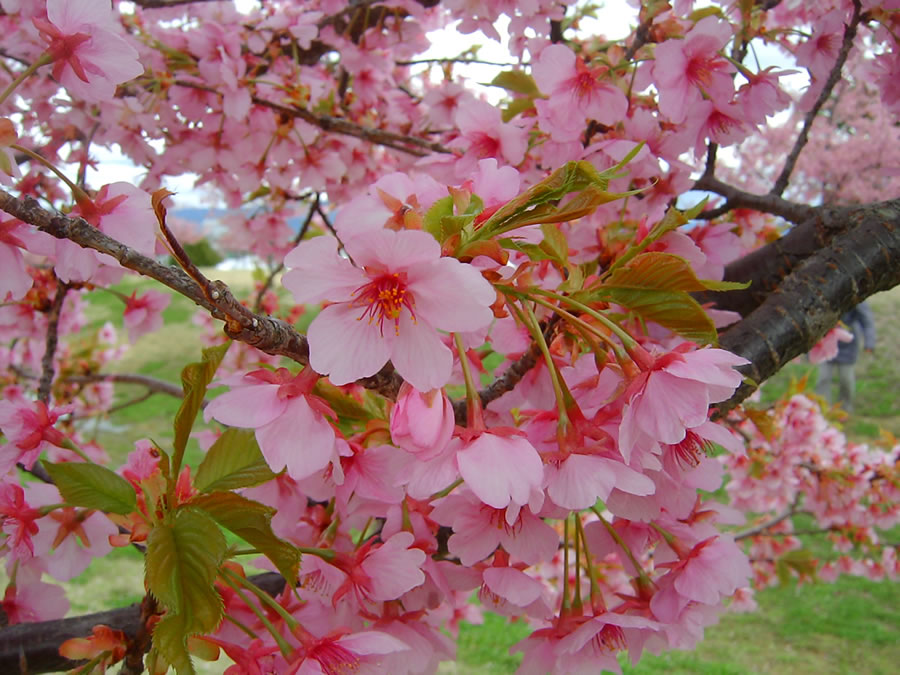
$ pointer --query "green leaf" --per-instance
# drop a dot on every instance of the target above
(349, 407)
(517, 81)
(93, 487)
(431, 222)
(183, 556)
(664, 272)
(543, 202)
(234, 461)
(195, 378)
(252, 522)
(170, 640)
(516, 107)
(675, 310)
(555, 243)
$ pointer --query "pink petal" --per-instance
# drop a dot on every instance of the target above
(420, 356)
(346, 348)
(299, 438)
(451, 295)
(393, 250)
(499, 470)
(248, 407)
(513, 585)
(579, 481)
(316, 272)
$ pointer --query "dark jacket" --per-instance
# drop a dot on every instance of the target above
(861, 322)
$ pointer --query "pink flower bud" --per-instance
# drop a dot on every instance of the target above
(422, 423)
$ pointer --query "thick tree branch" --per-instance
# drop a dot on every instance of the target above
(862, 260)
(849, 35)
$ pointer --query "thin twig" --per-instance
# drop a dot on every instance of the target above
(849, 34)
(257, 305)
(411, 145)
(47, 372)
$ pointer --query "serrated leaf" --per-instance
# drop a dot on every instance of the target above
(675, 310)
(252, 522)
(555, 243)
(664, 272)
(233, 461)
(93, 487)
(517, 81)
(170, 640)
(195, 378)
(183, 556)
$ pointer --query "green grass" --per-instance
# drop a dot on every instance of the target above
(847, 627)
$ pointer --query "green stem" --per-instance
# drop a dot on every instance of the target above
(614, 328)
(283, 646)
(42, 60)
(473, 401)
(577, 603)
(531, 322)
(447, 490)
(77, 192)
(68, 444)
(595, 589)
(325, 554)
(565, 598)
(621, 542)
(241, 626)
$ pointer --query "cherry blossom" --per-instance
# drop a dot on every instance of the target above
(89, 56)
(387, 308)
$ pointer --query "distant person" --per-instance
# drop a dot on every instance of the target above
(860, 321)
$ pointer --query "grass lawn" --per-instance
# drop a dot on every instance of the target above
(850, 626)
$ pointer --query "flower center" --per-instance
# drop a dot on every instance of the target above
(383, 299)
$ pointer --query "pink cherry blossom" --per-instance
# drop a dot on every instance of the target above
(422, 423)
(68, 538)
(478, 529)
(28, 427)
(89, 56)
(502, 469)
(827, 348)
(673, 394)
(575, 93)
(389, 307)
(144, 314)
(290, 423)
(686, 69)
(28, 599)
(15, 280)
(18, 522)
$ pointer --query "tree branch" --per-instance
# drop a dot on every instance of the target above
(418, 147)
(39, 642)
(152, 384)
(849, 34)
(738, 199)
(46, 381)
(300, 234)
(862, 260)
